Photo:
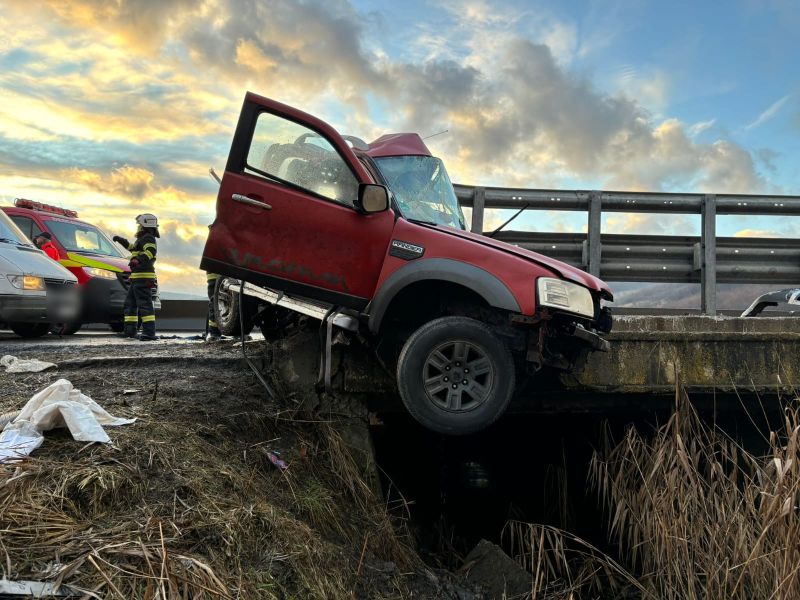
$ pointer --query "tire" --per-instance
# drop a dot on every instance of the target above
(30, 330)
(66, 328)
(433, 352)
(226, 311)
(116, 326)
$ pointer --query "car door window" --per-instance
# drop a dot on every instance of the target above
(287, 151)
(24, 223)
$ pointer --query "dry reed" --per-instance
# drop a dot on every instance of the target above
(693, 513)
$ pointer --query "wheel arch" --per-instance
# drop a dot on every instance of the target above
(477, 281)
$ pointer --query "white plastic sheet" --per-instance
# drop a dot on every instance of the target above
(18, 365)
(58, 405)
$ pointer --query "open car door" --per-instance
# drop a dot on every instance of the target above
(288, 211)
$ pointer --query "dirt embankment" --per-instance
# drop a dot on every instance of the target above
(187, 502)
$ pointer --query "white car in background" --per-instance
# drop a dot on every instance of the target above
(35, 291)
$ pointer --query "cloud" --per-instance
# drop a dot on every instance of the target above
(701, 126)
(126, 181)
(756, 233)
(769, 113)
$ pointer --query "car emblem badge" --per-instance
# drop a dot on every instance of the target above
(405, 250)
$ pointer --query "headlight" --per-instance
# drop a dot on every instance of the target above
(27, 282)
(567, 296)
(101, 273)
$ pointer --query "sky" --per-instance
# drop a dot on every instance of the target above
(114, 108)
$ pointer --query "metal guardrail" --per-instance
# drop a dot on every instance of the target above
(704, 259)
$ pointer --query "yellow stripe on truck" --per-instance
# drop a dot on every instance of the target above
(76, 260)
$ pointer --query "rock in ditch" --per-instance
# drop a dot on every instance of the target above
(492, 569)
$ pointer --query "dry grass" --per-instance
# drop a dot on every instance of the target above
(190, 507)
(694, 516)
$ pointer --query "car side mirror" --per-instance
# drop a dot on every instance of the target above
(372, 198)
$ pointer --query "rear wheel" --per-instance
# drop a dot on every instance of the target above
(226, 310)
(30, 330)
(455, 375)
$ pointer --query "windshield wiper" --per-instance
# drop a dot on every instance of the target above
(422, 222)
(10, 241)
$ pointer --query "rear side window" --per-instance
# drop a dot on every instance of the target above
(290, 152)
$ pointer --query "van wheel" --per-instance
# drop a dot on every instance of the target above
(226, 310)
(455, 375)
(30, 330)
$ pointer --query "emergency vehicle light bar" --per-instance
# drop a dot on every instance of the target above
(23, 203)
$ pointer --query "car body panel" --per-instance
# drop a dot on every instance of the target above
(303, 243)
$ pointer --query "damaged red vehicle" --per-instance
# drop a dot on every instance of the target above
(371, 238)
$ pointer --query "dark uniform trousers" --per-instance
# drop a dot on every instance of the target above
(139, 304)
(213, 328)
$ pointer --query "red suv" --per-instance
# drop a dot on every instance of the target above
(373, 235)
(100, 266)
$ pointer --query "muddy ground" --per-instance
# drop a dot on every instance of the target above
(188, 501)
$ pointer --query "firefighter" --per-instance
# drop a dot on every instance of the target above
(139, 301)
(43, 241)
(212, 329)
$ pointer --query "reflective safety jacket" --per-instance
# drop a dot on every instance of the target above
(144, 251)
(50, 249)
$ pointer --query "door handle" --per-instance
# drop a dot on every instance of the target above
(250, 201)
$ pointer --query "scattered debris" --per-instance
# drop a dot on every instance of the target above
(30, 365)
(490, 567)
(277, 461)
(129, 392)
(57, 405)
(35, 589)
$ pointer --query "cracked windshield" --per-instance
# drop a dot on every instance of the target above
(422, 189)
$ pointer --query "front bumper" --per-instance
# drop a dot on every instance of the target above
(563, 341)
(23, 308)
(591, 338)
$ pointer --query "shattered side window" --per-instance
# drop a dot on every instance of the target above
(290, 152)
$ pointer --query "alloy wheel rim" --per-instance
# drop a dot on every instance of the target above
(458, 376)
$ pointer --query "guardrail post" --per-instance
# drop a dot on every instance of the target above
(708, 251)
(478, 201)
(593, 232)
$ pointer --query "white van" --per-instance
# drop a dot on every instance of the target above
(34, 289)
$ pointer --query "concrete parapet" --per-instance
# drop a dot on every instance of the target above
(709, 353)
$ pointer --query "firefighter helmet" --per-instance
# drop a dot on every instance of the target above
(147, 220)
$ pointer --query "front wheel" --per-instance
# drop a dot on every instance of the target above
(66, 328)
(30, 330)
(455, 375)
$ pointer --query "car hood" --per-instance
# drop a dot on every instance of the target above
(30, 261)
(98, 261)
(564, 270)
